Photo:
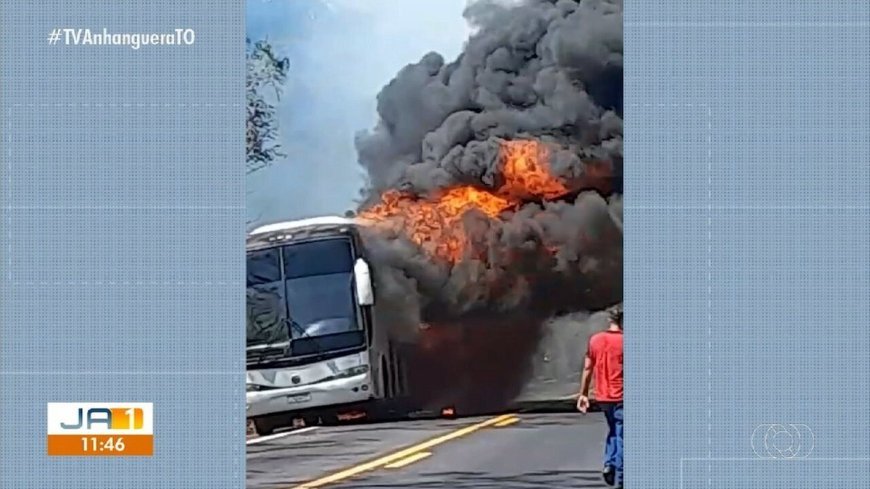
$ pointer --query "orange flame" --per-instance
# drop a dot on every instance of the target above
(436, 225)
(525, 171)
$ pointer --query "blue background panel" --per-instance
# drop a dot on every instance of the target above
(747, 249)
(122, 233)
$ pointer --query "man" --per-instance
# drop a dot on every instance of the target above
(604, 361)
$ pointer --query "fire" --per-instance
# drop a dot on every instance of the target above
(436, 224)
(525, 171)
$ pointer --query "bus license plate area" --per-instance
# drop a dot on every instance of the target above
(297, 398)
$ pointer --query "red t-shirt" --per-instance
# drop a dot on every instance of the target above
(605, 351)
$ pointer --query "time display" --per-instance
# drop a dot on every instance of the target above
(99, 444)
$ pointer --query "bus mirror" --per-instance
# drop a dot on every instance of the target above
(362, 277)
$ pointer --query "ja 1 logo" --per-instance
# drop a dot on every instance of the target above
(122, 418)
(124, 428)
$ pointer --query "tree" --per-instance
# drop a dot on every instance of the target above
(266, 72)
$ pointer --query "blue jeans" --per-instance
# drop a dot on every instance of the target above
(613, 446)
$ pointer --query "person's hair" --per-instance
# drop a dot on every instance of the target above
(615, 315)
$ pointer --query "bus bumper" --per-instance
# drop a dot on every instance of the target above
(310, 397)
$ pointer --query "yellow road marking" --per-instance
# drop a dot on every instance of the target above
(507, 422)
(408, 461)
(401, 454)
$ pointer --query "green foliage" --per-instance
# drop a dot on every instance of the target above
(266, 76)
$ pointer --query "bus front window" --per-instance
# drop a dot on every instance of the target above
(305, 307)
(266, 310)
(319, 288)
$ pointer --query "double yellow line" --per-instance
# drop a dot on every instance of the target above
(408, 455)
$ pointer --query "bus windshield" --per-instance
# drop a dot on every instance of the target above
(301, 295)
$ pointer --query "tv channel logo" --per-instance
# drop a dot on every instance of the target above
(107, 429)
(783, 441)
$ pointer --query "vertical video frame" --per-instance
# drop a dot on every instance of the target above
(434, 236)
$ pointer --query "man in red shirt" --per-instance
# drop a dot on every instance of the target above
(604, 362)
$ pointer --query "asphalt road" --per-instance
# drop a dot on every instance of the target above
(506, 452)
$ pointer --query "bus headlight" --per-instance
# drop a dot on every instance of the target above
(350, 372)
(358, 370)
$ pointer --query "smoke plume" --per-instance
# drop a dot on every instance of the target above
(495, 180)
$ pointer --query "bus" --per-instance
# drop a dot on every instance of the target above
(315, 351)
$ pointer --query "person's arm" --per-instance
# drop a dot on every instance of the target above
(586, 377)
(583, 397)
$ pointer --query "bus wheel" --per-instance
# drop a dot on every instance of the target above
(310, 420)
(329, 419)
(263, 428)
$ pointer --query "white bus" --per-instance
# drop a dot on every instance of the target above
(314, 348)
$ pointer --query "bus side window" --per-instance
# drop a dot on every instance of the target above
(400, 374)
(367, 319)
(385, 374)
(396, 370)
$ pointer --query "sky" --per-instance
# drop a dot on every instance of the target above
(342, 52)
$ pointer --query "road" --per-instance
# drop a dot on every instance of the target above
(506, 452)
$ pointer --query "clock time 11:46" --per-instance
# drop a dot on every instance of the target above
(98, 444)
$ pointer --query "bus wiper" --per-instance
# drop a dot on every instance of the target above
(303, 333)
(261, 353)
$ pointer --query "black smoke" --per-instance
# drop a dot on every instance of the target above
(544, 70)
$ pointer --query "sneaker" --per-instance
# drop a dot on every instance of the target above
(608, 474)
